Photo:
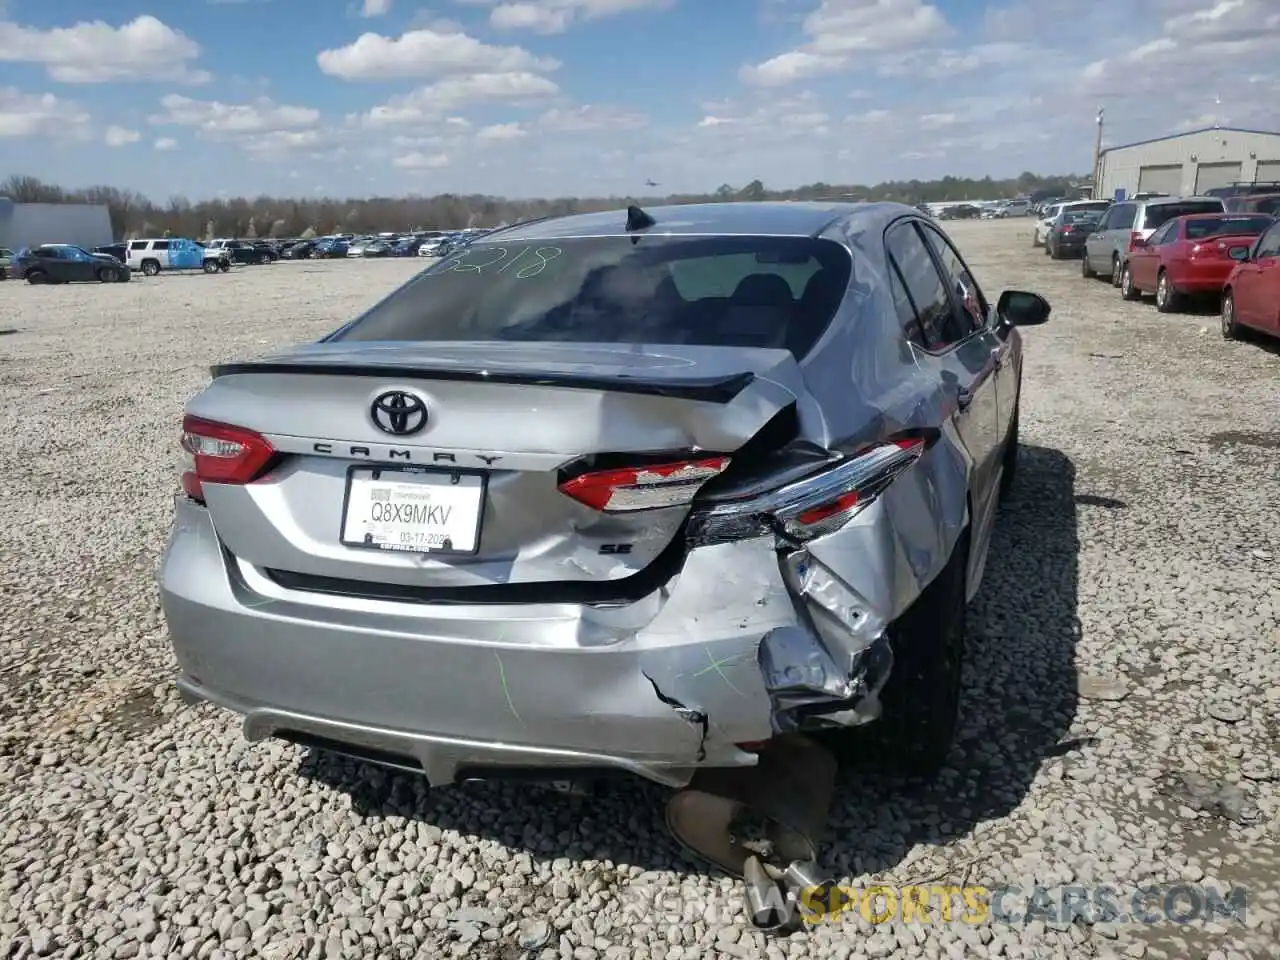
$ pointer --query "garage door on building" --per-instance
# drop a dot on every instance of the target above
(1161, 179)
(1268, 171)
(1212, 175)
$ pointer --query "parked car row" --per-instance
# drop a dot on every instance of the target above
(426, 243)
(1178, 250)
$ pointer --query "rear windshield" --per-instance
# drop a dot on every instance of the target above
(702, 291)
(1227, 226)
(1080, 215)
(1265, 204)
(1158, 214)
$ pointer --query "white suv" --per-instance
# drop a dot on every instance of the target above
(174, 253)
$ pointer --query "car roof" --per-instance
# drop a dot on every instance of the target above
(1161, 201)
(766, 218)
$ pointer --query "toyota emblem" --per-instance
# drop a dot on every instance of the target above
(398, 413)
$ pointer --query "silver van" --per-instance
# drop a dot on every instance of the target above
(1107, 247)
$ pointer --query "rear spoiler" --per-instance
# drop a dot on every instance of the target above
(722, 389)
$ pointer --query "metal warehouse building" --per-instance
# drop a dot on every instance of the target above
(31, 224)
(1189, 163)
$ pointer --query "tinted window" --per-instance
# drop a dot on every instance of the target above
(1161, 213)
(1269, 246)
(138, 245)
(1166, 234)
(963, 287)
(924, 286)
(1241, 226)
(1121, 217)
(721, 291)
(161, 245)
(49, 253)
(904, 307)
(1265, 205)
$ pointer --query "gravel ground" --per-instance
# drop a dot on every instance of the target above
(1120, 715)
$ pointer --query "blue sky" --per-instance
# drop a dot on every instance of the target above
(577, 97)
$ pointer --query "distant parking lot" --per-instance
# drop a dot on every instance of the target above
(1119, 717)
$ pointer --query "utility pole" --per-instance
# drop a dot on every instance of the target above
(1097, 159)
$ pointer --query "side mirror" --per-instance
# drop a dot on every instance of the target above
(1019, 308)
(1239, 254)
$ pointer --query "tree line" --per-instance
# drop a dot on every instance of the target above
(134, 214)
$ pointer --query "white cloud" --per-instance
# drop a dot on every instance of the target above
(437, 100)
(587, 117)
(421, 161)
(789, 67)
(425, 53)
(259, 126)
(375, 8)
(120, 136)
(839, 29)
(39, 114)
(501, 132)
(143, 49)
(166, 143)
(556, 16)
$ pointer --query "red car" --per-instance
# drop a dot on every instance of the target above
(1188, 255)
(1252, 294)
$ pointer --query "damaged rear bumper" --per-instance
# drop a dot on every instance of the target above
(743, 644)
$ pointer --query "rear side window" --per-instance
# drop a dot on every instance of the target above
(161, 245)
(1158, 214)
(138, 245)
(924, 286)
(707, 291)
(1121, 217)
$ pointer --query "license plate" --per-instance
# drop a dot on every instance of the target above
(418, 511)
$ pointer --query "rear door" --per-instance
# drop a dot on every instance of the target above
(1120, 222)
(953, 344)
(1258, 298)
(1144, 262)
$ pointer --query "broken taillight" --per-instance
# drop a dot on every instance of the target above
(221, 453)
(644, 488)
(816, 505)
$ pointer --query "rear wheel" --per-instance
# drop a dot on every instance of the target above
(224, 265)
(1009, 459)
(1115, 271)
(108, 275)
(36, 276)
(1167, 299)
(921, 698)
(210, 266)
(1127, 290)
(1086, 270)
(1230, 329)
(150, 267)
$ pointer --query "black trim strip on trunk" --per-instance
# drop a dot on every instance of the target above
(706, 389)
(628, 589)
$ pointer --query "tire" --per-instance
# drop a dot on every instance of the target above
(1086, 271)
(1168, 300)
(36, 276)
(224, 265)
(210, 266)
(108, 275)
(922, 695)
(1115, 271)
(1055, 253)
(1127, 290)
(1009, 458)
(150, 267)
(1230, 329)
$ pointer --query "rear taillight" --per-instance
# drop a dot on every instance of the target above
(1135, 239)
(644, 488)
(221, 453)
(817, 505)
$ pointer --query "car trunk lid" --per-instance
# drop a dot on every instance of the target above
(509, 431)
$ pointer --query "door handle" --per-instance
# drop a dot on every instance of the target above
(964, 397)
